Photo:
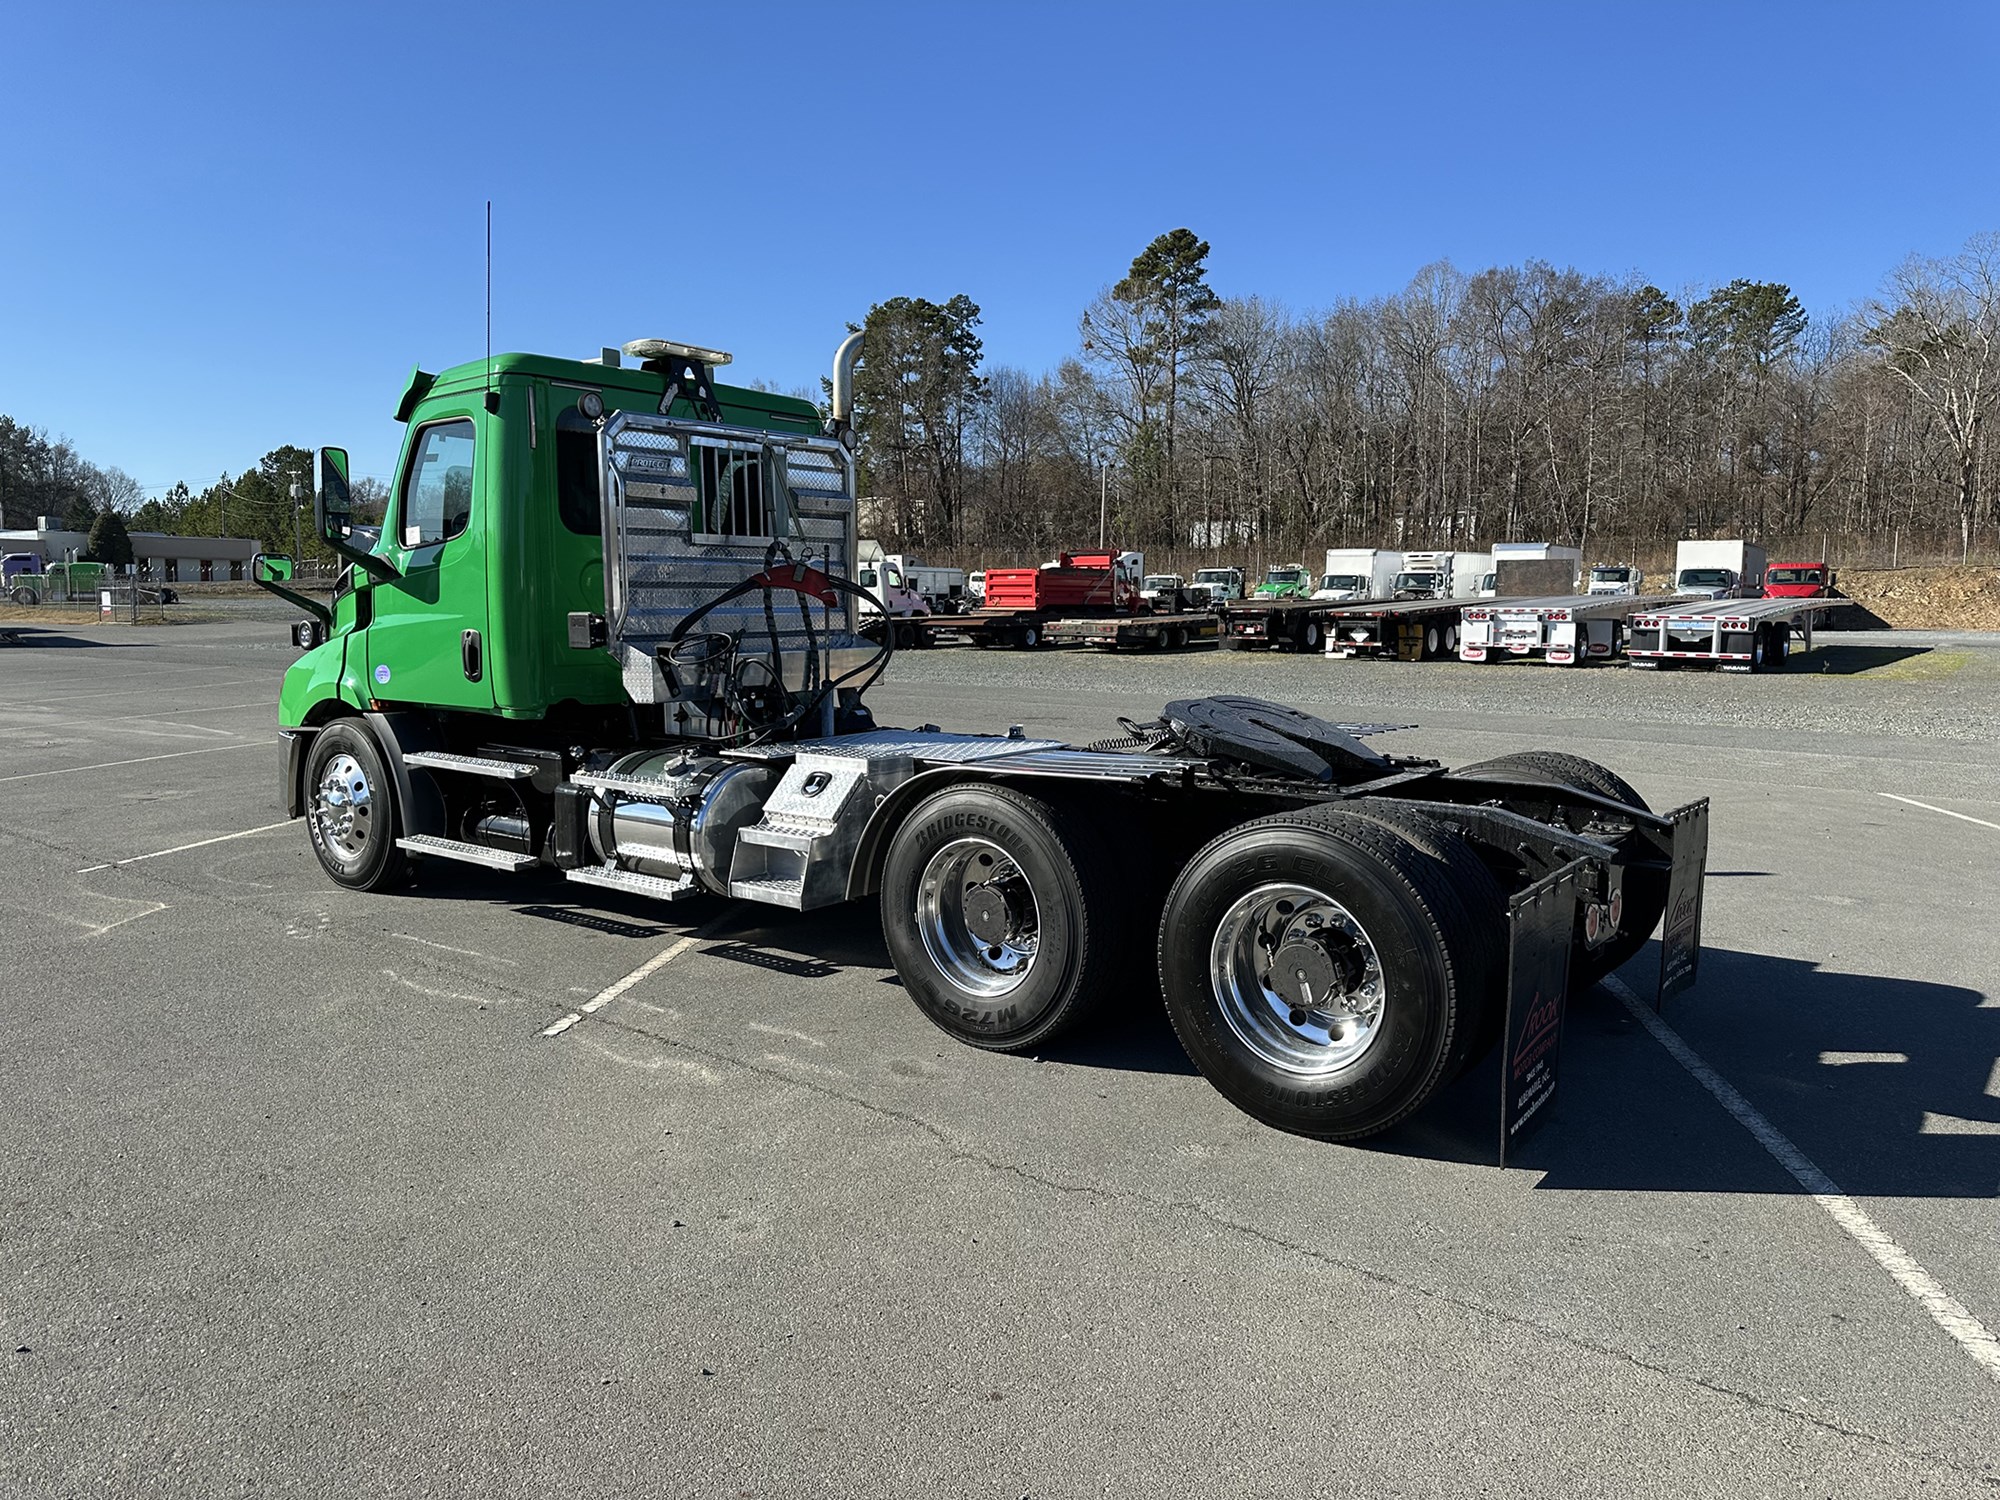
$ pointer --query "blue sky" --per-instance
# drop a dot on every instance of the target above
(226, 228)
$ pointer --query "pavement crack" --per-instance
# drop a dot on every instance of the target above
(959, 1150)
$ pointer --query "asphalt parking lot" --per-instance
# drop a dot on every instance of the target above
(303, 1196)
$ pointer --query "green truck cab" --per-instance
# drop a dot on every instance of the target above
(1285, 581)
(492, 538)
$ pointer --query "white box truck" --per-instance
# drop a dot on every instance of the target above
(1719, 570)
(1359, 573)
(1443, 575)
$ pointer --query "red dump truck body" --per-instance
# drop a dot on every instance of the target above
(1074, 580)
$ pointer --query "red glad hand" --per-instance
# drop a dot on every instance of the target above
(800, 579)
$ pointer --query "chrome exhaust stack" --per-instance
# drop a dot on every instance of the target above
(840, 419)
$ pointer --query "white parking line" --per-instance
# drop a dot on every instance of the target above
(105, 765)
(1967, 817)
(1945, 1310)
(182, 848)
(652, 965)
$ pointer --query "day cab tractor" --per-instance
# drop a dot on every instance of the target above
(1285, 581)
(1799, 580)
(607, 633)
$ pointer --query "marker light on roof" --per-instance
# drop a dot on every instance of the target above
(668, 349)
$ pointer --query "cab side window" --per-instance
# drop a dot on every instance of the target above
(576, 474)
(437, 490)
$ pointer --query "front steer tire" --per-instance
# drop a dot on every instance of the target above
(1278, 1061)
(1003, 915)
(351, 813)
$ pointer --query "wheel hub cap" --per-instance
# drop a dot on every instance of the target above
(344, 805)
(1298, 979)
(977, 916)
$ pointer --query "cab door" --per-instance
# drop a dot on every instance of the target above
(427, 644)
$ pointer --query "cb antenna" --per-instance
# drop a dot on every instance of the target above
(492, 398)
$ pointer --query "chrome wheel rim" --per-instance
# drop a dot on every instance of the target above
(344, 806)
(978, 918)
(1298, 979)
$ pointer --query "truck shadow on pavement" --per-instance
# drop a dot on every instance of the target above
(1889, 1085)
(1849, 661)
(1883, 1082)
(45, 638)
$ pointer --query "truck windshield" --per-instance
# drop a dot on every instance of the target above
(1215, 575)
(1610, 575)
(1158, 581)
(1704, 578)
(1792, 575)
(1343, 581)
(1285, 575)
(1415, 582)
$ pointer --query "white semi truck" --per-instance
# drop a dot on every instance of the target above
(1614, 579)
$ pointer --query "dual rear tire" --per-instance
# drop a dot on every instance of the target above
(1327, 970)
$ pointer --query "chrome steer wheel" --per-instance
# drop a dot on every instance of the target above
(977, 917)
(351, 809)
(344, 807)
(1297, 978)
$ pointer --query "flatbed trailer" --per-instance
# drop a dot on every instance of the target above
(1563, 629)
(1737, 635)
(1406, 629)
(1279, 624)
(1022, 629)
(1171, 632)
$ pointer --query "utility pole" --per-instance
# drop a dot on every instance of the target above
(298, 541)
(1103, 496)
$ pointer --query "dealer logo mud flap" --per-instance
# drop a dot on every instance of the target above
(1541, 921)
(1680, 930)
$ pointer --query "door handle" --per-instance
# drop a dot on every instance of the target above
(468, 646)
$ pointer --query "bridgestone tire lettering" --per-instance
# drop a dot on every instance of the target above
(1082, 914)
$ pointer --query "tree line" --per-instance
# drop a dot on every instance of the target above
(44, 476)
(1517, 402)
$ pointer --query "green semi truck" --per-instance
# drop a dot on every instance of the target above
(607, 634)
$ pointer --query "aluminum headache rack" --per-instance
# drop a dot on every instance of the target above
(1564, 628)
(1738, 635)
(690, 509)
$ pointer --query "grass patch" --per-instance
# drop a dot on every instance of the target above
(1925, 668)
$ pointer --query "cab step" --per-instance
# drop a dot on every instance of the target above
(637, 786)
(471, 854)
(659, 887)
(470, 765)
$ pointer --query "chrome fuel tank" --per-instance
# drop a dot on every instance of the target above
(687, 827)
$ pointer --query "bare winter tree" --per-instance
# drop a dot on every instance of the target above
(1936, 332)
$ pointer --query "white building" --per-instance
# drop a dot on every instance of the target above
(165, 559)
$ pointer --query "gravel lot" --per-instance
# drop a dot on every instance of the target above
(301, 1200)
